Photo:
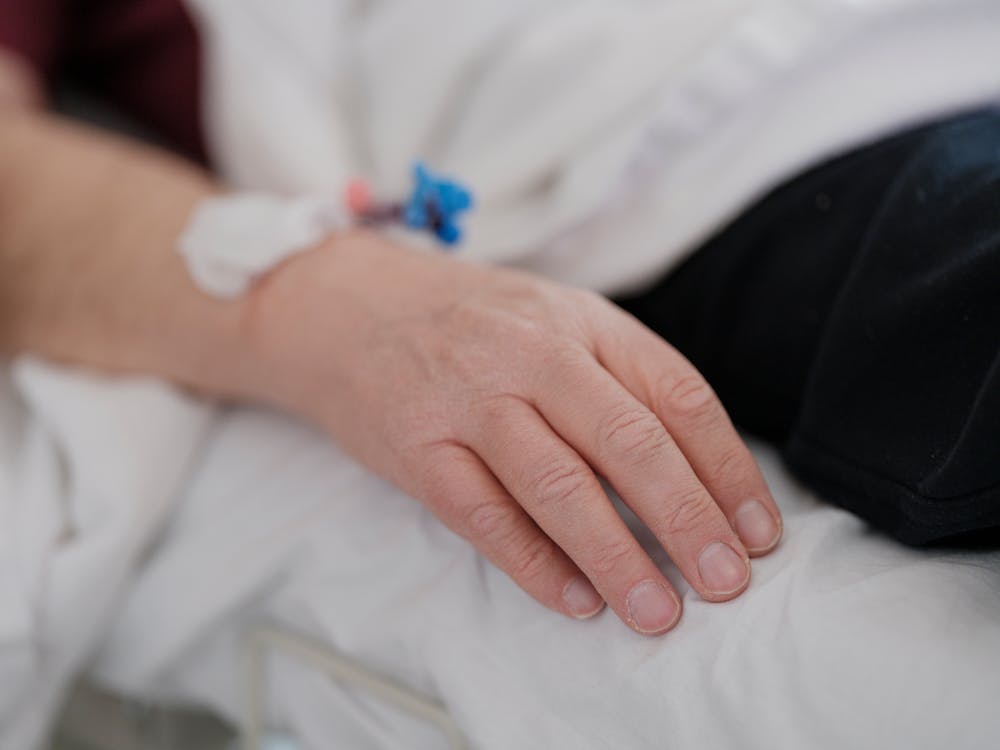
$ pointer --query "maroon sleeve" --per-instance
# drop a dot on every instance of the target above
(143, 56)
(34, 30)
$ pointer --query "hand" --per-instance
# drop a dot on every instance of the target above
(497, 399)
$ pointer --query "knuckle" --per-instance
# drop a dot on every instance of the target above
(690, 397)
(531, 561)
(690, 510)
(559, 483)
(611, 557)
(495, 530)
(562, 360)
(488, 521)
(590, 297)
(636, 433)
(531, 334)
(496, 411)
(733, 470)
(592, 304)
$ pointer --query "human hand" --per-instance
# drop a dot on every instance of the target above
(497, 399)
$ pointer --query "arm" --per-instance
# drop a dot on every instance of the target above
(88, 272)
(19, 87)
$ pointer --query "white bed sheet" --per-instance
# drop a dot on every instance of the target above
(844, 638)
(603, 140)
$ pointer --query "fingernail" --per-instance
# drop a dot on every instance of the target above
(582, 598)
(652, 607)
(756, 526)
(722, 570)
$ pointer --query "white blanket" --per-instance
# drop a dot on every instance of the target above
(604, 139)
(844, 640)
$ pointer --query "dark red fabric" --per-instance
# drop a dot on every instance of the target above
(143, 56)
(34, 29)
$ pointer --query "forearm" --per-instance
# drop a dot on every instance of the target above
(88, 268)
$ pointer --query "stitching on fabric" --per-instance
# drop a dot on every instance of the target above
(919, 497)
(989, 378)
(862, 254)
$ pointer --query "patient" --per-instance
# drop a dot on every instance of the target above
(851, 317)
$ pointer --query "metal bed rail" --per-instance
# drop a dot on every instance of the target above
(339, 667)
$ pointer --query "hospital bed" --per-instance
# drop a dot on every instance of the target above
(292, 592)
(96, 720)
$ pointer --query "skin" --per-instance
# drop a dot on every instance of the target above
(496, 398)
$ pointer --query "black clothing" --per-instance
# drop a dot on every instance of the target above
(853, 318)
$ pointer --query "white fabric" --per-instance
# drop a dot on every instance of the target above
(233, 239)
(89, 468)
(603, 139)
(843, 639)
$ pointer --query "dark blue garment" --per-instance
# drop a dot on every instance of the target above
(852, 317)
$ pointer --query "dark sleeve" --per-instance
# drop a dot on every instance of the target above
(34, 29)
(144, 56)
(141, 56)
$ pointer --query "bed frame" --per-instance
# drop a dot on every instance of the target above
(265, 641)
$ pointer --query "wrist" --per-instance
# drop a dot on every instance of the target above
(233, 247)
(205, 345)
(300, 322)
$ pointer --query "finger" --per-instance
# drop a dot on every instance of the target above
(662, 379)
(560, 492)
(472, 503)
(630, 447)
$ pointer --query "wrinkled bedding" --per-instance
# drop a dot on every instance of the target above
(143, 532)
(844, 639)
